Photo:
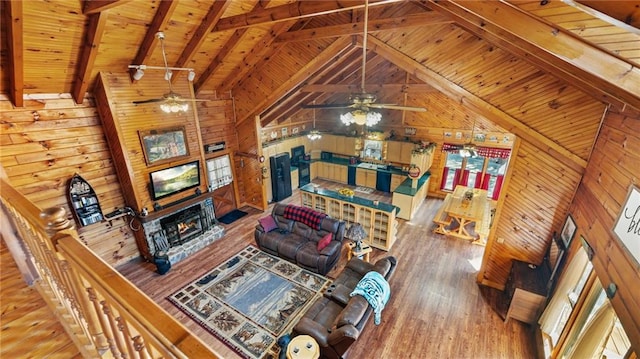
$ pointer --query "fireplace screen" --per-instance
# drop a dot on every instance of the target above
(183, 226)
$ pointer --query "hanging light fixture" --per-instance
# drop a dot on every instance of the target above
(363, 115)
(469, 149)
(314, 134)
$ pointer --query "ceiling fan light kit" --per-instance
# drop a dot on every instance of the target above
(361, 117)
(362, 104)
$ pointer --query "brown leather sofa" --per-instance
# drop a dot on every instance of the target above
(336, 320)
(297, 242)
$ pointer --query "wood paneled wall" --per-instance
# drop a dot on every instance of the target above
(249, 152)
(49, 140)
(612, 169)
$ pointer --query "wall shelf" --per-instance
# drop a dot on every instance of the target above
(84, 201)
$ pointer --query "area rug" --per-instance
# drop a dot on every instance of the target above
(232, 216)
(250, 300)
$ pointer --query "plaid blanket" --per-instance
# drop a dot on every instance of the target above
(304, 215)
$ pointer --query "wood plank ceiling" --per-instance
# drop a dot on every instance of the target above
(60, 46)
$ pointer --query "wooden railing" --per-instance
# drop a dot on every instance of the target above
(104, 314)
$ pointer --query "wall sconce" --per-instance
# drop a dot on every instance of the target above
(138, 74)
(611, 290)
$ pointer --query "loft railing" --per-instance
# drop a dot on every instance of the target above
(104, 314)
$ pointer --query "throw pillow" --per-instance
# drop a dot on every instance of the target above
(322, 243)
(268, 223)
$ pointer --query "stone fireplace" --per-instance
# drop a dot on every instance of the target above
(184, 231)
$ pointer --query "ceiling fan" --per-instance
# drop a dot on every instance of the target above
(362, 102)
(170, 101)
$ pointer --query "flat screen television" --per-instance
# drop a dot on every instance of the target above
(176, 179)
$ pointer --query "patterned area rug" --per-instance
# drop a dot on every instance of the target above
(250, 300)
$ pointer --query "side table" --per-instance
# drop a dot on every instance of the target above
(303, 347)
(362, 253)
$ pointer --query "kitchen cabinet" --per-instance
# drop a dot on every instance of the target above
(366, 178)
(379, 221)
(396, 180)
(346, 145)
(399, 152)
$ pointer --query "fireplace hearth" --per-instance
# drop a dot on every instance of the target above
(183, 232)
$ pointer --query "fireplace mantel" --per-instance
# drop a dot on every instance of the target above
(170, 209)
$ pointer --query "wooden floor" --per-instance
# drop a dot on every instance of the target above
(436, 308)
(29, 328)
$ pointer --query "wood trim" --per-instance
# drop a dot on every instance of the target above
(160, 21)
(608, 78)
(478, 105)
(95, 6)
(13, 14)
(93, 37)
(404, 88)
(293, 11)
(356, 28)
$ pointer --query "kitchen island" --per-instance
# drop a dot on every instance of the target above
(377, 218)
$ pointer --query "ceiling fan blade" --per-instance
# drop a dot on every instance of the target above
(397, 107)
(329, 105)
(192, 100)
(151, 100)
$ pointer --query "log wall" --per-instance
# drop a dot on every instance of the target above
(49, 140)
(613, 168)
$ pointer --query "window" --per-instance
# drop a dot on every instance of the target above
(564, 299)
(485, 170)
(597, 332)
(219, 172)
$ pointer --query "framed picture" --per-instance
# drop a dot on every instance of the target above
(165, 145)
(627, 225)
(568, 231)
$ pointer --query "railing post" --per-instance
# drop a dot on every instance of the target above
(55, 220)
(57, 226)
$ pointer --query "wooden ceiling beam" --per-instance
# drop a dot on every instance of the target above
(290, 105)
(356, 28)
(477, 104)
(327, 55)
(160, 21)
(257, 54)
(200, 35)
(218, 60)
(627, 12)
(14, 20)
(403, 88)
(92, 39)
(293, 11)
(96, 6)
(598, 73)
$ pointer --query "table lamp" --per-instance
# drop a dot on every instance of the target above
(356, 233)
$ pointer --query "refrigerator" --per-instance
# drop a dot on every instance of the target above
(280, 176)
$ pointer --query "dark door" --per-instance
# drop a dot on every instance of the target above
(383, 181)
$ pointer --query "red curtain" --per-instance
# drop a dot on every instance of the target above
(496, 190)
(464, 178)
(456, 178)
(485, 182)
(443, 182)
(478, 180)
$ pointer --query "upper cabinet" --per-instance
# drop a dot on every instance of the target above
(399, 152)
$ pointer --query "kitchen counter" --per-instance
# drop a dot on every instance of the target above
(405, 186)
(408, 199)
(386, 207)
